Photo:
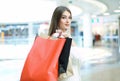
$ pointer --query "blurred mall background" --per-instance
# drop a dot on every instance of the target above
(95, 28)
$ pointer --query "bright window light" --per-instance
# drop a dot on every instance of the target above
(26, 10)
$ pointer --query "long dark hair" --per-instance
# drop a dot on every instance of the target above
(56, 18)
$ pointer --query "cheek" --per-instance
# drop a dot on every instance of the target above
(61, 23)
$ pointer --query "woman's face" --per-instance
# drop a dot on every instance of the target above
(65, 21)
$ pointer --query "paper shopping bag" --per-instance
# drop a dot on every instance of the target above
(69, 72)
(64, 56)
(42, 61)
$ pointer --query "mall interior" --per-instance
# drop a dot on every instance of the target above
(95, 28)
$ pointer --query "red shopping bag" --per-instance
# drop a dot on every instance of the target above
(42, 61)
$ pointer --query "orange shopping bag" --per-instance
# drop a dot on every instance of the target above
(42, 61)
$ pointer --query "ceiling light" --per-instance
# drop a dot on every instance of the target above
(93, 16)
(102, 6)
(106, 13)
(117, 11)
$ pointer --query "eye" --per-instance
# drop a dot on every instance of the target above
(63, 17)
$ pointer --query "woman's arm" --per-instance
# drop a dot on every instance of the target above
(73, 43)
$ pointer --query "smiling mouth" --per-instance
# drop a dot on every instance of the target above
(67, 25)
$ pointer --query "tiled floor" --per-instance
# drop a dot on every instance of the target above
(105, 69)
(99, 63)
(107, 72)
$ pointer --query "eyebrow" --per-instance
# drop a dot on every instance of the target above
(65, 15)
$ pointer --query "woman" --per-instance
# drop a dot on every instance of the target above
(60, 27)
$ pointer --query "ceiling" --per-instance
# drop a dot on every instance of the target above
(112, 5)
(18, 11)
(24, 11)
(96, 7)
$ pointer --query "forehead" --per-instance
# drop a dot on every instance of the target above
(66, 13)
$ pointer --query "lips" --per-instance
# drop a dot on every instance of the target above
(67, 25)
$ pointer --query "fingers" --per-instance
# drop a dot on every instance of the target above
(58, 31)
(60, 34)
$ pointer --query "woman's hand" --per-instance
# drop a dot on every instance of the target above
(62, 34)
